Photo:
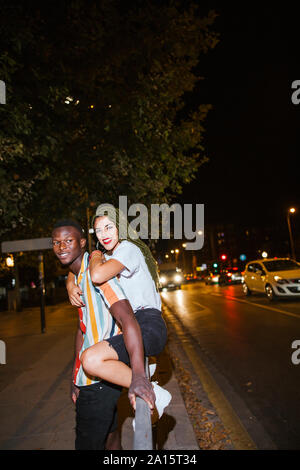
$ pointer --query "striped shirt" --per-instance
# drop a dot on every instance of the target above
(96, 322)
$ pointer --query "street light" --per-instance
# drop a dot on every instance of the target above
(264, 254)
(291, 210)
(10, 261)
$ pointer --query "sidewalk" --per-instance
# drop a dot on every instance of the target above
(35, 409)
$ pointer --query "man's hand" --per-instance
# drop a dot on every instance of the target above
(140, 386)
(74, 393)
(74, 294)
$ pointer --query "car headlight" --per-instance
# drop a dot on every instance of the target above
(215, 278)
(279, 280)
(177, 278)
(163, 279)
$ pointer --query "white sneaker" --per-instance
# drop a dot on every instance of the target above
(152, 369)
(163, 398)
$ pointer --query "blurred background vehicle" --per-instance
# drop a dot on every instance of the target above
(230, 276)
(212, 278)
(171, 278)
(224, 276)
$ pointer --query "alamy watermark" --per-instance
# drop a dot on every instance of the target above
(296, 94)
(188, 221)
(2, 92)
(296, 354)
(2, 352)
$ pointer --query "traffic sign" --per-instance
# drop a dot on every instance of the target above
(32, 244)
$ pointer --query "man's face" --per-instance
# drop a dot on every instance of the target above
(67, 244)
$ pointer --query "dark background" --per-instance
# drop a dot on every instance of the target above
(252, 132)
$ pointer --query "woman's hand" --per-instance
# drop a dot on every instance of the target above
(98, 256)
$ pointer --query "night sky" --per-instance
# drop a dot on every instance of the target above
(252, 132)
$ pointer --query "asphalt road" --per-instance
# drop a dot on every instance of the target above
(246, 344)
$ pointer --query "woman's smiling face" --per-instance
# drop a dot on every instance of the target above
(106, 232)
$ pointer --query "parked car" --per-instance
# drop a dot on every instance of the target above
(276, 277)
(171, 279)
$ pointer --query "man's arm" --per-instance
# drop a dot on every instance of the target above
(140, 385)
(78, 344)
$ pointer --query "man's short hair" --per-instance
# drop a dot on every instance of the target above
(69, 223)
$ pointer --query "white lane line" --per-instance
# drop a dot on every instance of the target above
(204, 309)
(284, 312)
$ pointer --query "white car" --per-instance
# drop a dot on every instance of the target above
(276, 277)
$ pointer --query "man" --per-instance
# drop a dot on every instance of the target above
(104, 308)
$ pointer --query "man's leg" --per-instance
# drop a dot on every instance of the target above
(113, 441)
(95, 416)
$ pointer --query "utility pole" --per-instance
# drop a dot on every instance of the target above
(88, 229)
(43, 291)
(291, 211)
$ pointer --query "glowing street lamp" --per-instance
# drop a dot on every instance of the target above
(264, 254)
(10, 261)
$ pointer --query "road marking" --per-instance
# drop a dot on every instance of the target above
(238, 434)
(284, 312)
(204, 310)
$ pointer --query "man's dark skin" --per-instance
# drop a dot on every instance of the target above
(69, 247)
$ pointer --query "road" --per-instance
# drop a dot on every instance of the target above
(246, 345)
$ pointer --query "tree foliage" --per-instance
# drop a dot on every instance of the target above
(96, 105)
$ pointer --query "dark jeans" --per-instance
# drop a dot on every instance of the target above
(96, 415)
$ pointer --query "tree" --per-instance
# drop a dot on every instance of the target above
(96, 105)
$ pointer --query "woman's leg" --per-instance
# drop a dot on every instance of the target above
(101, 360)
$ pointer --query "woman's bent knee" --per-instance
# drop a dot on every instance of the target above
(86, 360)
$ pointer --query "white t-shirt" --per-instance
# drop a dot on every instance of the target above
(135, 278)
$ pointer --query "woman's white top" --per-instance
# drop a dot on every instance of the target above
(135, 278)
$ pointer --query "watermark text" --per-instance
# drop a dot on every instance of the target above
(2, 92)
(187, 221)
(2, 352)
(296, 354)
